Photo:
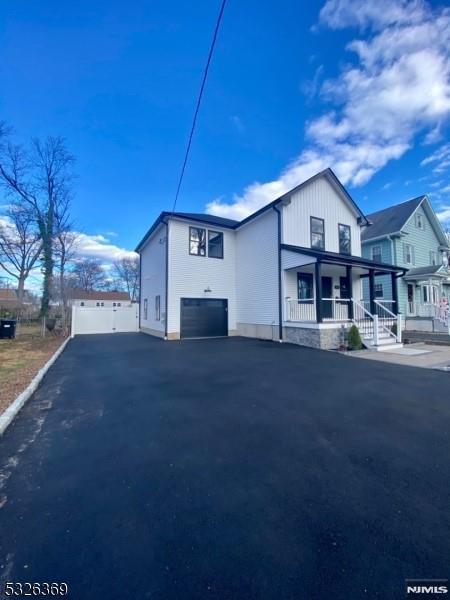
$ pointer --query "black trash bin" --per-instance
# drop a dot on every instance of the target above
(7, 329)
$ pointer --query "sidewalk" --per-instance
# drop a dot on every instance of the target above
(413, 355)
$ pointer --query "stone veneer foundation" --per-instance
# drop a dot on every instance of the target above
(321, 338)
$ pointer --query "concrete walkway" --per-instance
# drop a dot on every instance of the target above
(412, 355)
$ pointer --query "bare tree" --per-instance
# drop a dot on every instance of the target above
(127, 276)
(88, 275)
(39, 178)
(20, 245)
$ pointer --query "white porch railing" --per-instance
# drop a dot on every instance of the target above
(301, 310)
(374, 324)
(387, 319)
(339, 309)
(333, 309)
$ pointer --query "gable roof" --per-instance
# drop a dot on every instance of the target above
(231, 224)
(390, 220)
(427, 271)
(97, 295)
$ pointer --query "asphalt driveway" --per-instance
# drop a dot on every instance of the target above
(226, 469)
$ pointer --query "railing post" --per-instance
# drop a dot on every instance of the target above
(375, 329)
(399, 328)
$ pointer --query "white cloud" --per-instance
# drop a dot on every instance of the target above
(398, 87)
(99, 247)
(444, 214)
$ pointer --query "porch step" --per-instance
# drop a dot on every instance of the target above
(386, 347)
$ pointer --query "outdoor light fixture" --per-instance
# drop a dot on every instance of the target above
(208, 289)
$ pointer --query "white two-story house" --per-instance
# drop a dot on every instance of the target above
(292, 271)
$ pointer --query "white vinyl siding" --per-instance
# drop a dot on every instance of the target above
(190, 275)
(153, 280)
(257, 271)
(319, 199)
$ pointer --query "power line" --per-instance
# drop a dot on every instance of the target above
(199, 99)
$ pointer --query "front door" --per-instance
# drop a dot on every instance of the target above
(410, 304)
(327, 292)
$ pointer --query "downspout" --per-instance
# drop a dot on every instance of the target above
(140, 289)
(280, 302)
(166, 299)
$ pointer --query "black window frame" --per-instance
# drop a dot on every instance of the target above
(158, 307)
(191, 228)
(311, 233)
(145, 309)
(380, 254)
(220, 233)
(310, 278)
(380, 287)
(349, 238)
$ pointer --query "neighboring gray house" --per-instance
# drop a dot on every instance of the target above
(411, 236)
(291, 271)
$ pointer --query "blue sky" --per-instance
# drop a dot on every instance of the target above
(294, 87)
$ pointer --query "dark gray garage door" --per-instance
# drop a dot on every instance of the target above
(202, 317)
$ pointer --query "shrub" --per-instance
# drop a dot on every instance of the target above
(354, 339)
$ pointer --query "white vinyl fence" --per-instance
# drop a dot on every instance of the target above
(107, 319)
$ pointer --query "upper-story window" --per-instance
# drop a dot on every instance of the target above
(376, 253)
(408, 254)
(197, 241)
(420, 223)
(317, 233)
(345, 239)
(433, 257)
(215, 244)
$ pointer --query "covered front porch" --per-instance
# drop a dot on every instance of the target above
(323, 291)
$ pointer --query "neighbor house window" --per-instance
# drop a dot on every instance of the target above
(197, 241)
(119, 304)
(433, 258)
(114, 303)
(305, 287)
(408, 254)
(345, 240)
(98, 304)
(145, 308)
(157, 308)
(215, 244)
(419, 221)
(317, 233)
(376, 254)
(378, 289)
(81, 303)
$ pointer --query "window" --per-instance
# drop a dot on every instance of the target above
(317, 233)
(119, 304)
(197, 241)
(145, 308)
(376, 254)
(98, 304)
(81, 303)
(102, 304)
(114, 303)
(157, 308)
(408, 254)
(378, 289)
(305, 287)
(345, 240)
(419, 221)
(215, 244)
(433, 258)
